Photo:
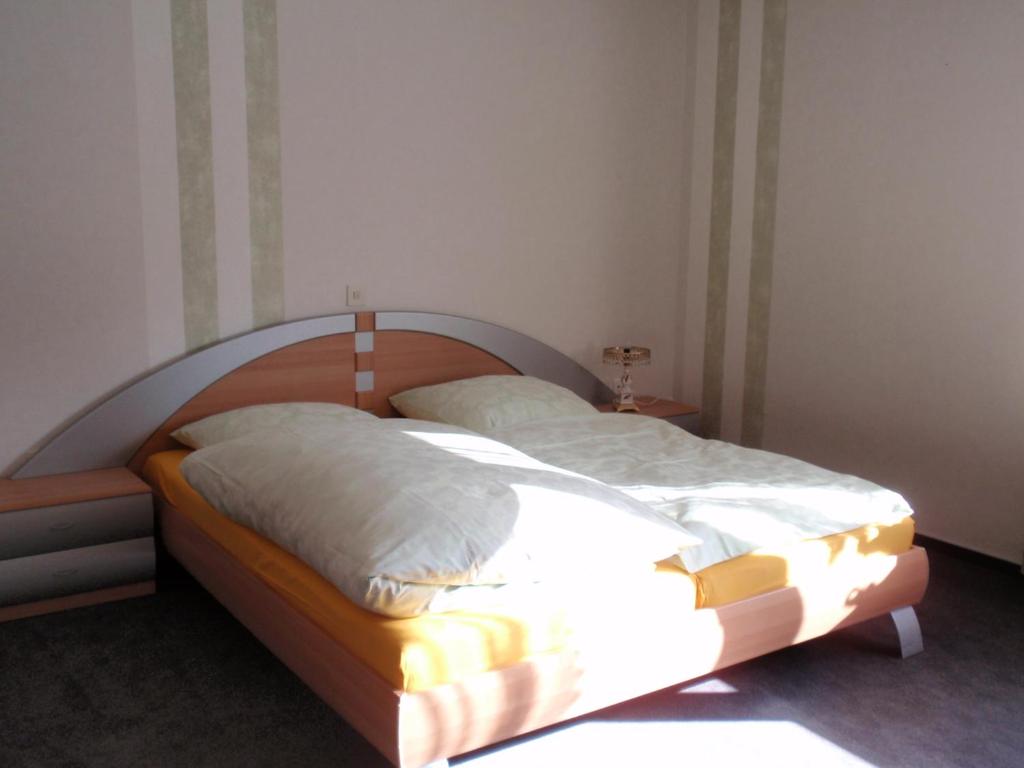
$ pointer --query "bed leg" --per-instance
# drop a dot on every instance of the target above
(909, 631)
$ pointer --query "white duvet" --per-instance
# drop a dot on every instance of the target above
(734, 499)
(406, 516)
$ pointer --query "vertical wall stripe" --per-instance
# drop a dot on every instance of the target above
(744, 167)
(195, 170)
(721, 214)
(773, 50)
(264, 130)
(699, 237)
(158, 179)
(230, 165)
(682, 347)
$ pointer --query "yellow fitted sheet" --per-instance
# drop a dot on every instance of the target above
(431, 649)
(420, 652)
(799, 563)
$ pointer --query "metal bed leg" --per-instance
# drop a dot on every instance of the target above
(909, 631)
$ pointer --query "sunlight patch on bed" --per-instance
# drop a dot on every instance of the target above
(763, 743)
(603, 523)
(483, 450)
(839, 501)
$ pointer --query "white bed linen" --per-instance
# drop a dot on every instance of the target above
(734, 499)
(407, 516)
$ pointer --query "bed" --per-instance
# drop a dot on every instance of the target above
(359, 360)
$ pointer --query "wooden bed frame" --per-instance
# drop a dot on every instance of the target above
(360, 360)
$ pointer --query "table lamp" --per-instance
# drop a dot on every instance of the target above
(627, 357)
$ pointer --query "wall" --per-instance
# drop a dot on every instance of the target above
(180, 172)
(519, 162)
(73, 321)
(176, 172)
(894, 342)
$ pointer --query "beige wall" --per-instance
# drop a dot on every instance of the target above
(895, 343)
(546, 166)
(73, 322)
(519, 162)
(516, 162)
(898, 344)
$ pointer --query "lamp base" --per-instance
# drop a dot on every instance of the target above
(624, 390)
(624, 402)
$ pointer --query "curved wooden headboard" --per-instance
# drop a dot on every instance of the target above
(318, 370)
(353, 359)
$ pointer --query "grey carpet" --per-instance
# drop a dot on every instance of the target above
(174, 680)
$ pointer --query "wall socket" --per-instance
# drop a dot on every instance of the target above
(354, 296)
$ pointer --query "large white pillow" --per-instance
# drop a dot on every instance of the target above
(275, 417)
(402, 514)
(485, 403)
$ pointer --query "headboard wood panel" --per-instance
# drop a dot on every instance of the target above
(318, 370)
(406, 359)
(302, 360)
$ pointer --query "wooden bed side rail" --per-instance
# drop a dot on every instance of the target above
(414, 729)
(357, 693)
(455, 718)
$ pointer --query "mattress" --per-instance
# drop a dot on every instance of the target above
(799, 563)
(424, 651)
(737, 500)
(418, 653)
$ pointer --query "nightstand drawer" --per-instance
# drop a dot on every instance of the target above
(67, 526)
(39, 577)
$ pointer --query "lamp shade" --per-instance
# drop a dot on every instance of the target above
(627, 356)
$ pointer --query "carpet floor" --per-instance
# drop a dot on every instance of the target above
(174, 680)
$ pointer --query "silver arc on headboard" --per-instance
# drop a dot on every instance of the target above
(525, 354)
(111, 433)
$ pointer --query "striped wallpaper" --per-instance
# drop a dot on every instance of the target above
(226, 145)
(738, 109)
(227, 166)
(621, 184)
(520, 162)
(227, 157)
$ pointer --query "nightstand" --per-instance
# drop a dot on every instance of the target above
(73, 540)
(680, 414)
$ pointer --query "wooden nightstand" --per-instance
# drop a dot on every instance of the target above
(680, 414)
(72, 540)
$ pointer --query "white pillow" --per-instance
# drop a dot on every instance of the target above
(274, 417)
(398, 513)
(490, 402)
